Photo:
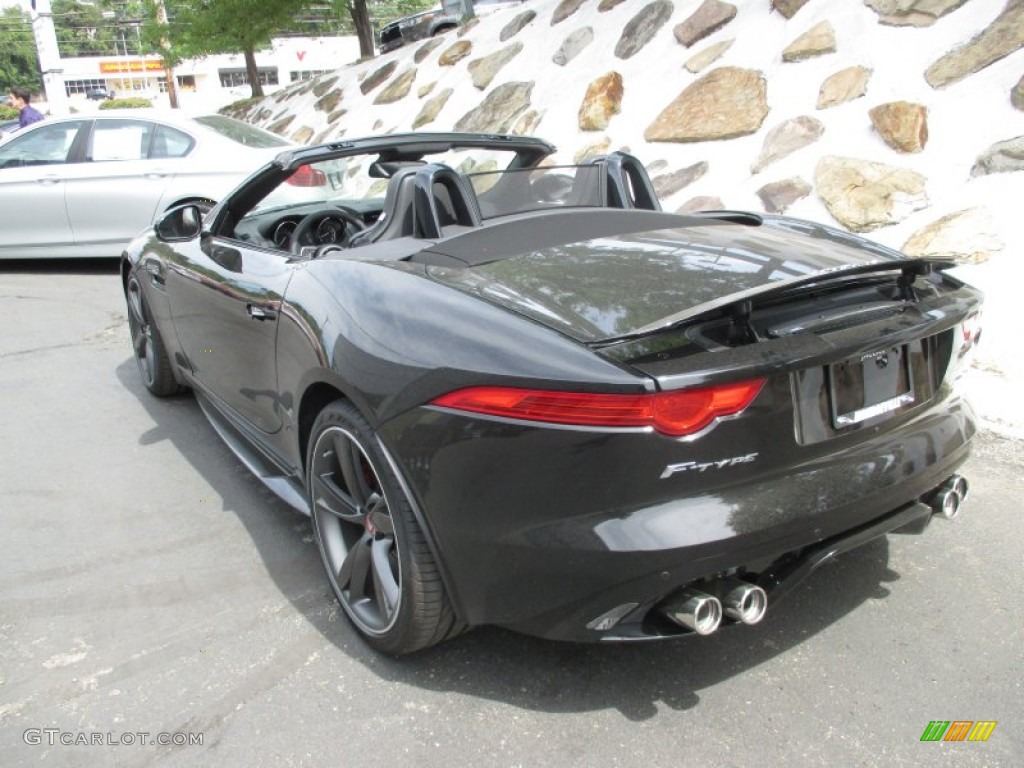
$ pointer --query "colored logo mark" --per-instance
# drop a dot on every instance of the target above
(958, 730)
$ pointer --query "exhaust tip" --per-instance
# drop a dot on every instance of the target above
(960, 487)
(696, 611)
(950, 497)
(947, 504)
(746, 603)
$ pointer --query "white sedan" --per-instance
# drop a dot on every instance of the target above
(84, 185)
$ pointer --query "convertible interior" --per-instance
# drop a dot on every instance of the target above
(317, 211)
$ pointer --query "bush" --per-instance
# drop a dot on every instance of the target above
(238, 109)
(134, 102)
(8, 113)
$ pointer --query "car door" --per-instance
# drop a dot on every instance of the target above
(33, 168)
(115, 193)
(225, 298)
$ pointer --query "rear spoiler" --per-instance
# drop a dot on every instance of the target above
(909, 269)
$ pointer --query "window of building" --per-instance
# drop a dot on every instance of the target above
(231, 78)
(72, 87)
(306, 74)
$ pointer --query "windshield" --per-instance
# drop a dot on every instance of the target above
(242, 133)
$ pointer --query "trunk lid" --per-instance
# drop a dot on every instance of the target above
(856, 334)
(618, 285)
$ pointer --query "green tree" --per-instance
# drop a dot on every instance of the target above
(198, 28)
(19, 65)
(361, 21)
(358, 17)
(86, 29)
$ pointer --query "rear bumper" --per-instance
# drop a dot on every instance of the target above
(782, 575)
(544, 530)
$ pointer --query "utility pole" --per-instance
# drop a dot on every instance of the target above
(49, 57)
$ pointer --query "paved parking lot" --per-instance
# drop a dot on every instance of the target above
(149, 585)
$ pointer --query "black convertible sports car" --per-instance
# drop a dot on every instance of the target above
(515, 393)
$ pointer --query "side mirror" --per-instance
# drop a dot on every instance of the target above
(179, 224)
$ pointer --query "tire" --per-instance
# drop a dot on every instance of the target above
(147, 345)
(375, 554)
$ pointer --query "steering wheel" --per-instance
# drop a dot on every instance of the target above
(301, 234)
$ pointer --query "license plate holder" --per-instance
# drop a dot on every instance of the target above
(872, 385)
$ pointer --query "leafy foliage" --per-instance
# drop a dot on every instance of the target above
(240, 107)
(335, 17)
(132, 102)
(84, 30)
(195, 28)
(19, 66)
(203, 27)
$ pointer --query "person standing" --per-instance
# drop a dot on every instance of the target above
(27, 114)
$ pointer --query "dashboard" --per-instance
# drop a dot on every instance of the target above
(328, 223)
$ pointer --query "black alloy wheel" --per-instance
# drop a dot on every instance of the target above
(376, 557)
(148, 347)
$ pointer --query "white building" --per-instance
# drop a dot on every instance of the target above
(208, 82)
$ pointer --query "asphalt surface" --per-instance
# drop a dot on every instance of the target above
(149, 584)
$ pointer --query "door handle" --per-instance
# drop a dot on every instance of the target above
(48, 180)
(259, 313)
(156, 272)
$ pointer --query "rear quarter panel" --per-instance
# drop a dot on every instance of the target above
(394, 339)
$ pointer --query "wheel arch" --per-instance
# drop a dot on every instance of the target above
(318, 396)
(126, 268)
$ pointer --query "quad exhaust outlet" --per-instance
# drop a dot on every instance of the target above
(950, 496)
(744, 602)
(702, 613)
(695, 610)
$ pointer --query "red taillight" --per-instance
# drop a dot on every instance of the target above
(307, 176)
(678, 413)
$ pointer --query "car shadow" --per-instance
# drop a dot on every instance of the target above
(500, 665)
(109, 266)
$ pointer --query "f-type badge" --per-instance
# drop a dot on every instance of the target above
(703, 466)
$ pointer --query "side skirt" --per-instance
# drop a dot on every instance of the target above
(283, 485)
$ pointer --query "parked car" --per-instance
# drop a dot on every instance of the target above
(528, 397)
(99, 94)
(435, 21)
(85, 185)
(7, 126)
